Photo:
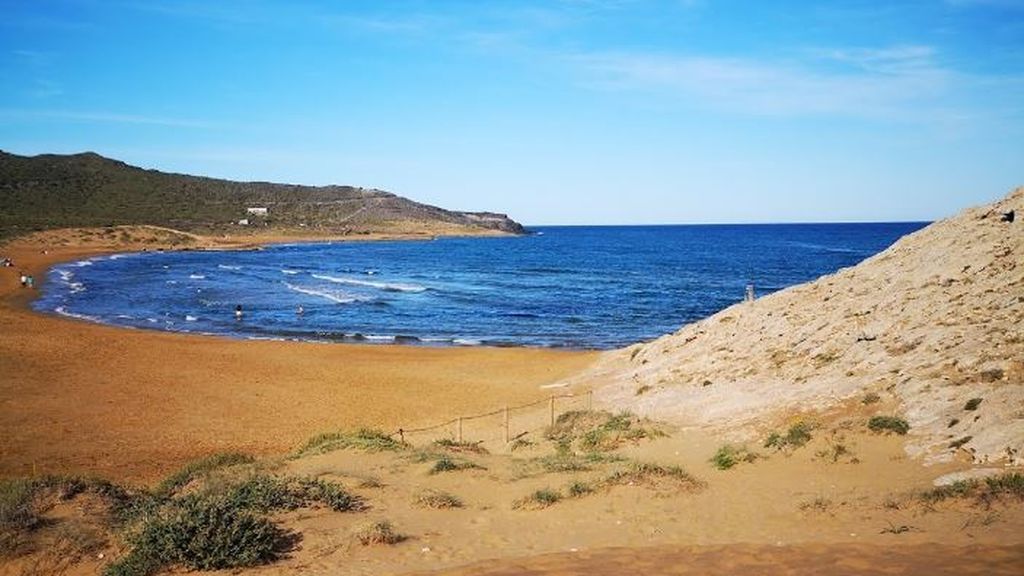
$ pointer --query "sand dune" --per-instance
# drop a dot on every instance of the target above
(931, 323)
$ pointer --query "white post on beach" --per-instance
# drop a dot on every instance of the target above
(506, 424)
(750, 293)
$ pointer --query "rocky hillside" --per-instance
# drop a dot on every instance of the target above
(934, 326)
(51, 191)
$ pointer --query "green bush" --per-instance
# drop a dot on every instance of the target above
(367, 439)
(202, 534)
(199, 468)
(578, 489)
(539, 499)
(798, 435)
(446, 463)
(728, 456)
(222, 525)
(889, 424)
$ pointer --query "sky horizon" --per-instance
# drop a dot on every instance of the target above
(560, 112)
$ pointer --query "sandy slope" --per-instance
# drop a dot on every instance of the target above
(930, 323)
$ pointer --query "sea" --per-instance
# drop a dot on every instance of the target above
(577, 287)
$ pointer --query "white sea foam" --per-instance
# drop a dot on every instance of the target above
(466, 342)
(197, 276)
(290, 272)
(378, 285)
(226, 267)
(377, 338)
(333, 297)
(65, 312)
(83, 263)
(189, 318)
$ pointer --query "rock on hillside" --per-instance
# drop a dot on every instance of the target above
(931, 323)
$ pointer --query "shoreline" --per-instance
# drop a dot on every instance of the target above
(41, 269)
(136, 404)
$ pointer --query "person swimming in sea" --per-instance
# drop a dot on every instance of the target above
(300, 311)
(238, 312)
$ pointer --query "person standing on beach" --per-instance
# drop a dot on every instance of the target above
(24, 280)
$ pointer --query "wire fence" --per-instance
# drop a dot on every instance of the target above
(503, 425)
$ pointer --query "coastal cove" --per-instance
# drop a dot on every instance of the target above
(164, 399)
(563, 287)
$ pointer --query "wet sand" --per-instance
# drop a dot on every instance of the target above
(133, 405)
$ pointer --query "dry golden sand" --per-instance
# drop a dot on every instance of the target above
(134, 405)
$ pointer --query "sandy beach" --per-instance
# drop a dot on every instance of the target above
(613, 494)
(134, 405)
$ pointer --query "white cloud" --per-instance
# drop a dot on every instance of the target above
(854, 82)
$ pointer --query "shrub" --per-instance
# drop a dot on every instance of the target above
(17, 505)
(870, 398)
(202, 534)
(220, 526)
(728, 456)
(889, 424)
(578, 489)
(1009, 484)
(437, 500)
(379, 533)
(366, 439)
(448, 464)
(455, 446)
(972, 404)
(332, 495)
(958, 489)
(835, 451)
(199, 468)
(646, 473)
(598, 431)
(539, 499)
(798, 435)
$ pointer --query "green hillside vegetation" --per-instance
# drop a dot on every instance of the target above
(86, 190)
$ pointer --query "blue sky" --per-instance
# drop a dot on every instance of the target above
(557, 112)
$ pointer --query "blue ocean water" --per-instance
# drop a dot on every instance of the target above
(575, 287)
